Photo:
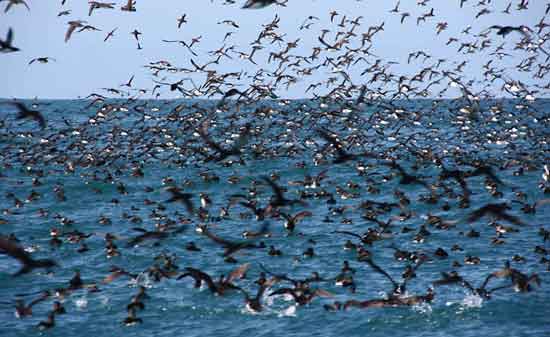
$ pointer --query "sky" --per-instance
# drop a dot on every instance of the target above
(86, 64)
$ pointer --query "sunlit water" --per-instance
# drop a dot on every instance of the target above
(162, 140)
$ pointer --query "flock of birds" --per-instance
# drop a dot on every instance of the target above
(126, 137)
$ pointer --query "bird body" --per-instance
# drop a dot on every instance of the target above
(257, 4)
(6, 46)
(10, 248)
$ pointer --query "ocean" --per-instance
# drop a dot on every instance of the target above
(117, 159)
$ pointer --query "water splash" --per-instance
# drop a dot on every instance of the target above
(423, 308)
(288, 312)
(472, 301)
(81, 303)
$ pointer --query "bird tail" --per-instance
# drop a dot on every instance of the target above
(9, 37)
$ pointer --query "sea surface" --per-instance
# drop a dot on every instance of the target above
(93, 152)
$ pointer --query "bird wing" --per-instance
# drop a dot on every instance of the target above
(299, 216)
(37, 116)
(43, 297)
(276, 189)
(323, 293)
(255, 4)
(202, 276)
(278, 276)
(22, 108)
(9, 37)
(238, 272)
(447, 279)
(24, 3)
(284, 291)
(499, 288)
(263, 288)
(381, 271)
(217, 239)
(209, 141)
(513, 219)
(349, 233)
(69, 32)
(336, 144)
(15, 251)
(477, 214)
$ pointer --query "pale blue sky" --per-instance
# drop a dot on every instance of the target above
(85, 64)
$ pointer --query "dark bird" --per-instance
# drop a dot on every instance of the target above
(157, 234)
(97, 5)
(22, 310)
(496, 210)
(302, 295)
(184, 198)
(130, 6)
(41, 60)
(72, 26)
(235, 150)
(254, 304)
(520, 281)
(48, 323)
(231, 246)
(505, 30)
(15, 2)
(110, 34)
(454, 278)
(292, 220)
(33, 114)
(256, 4)
(341, 154)
(398, 288)
(485, 170)
(406, 178)
(6, 45)
(132, 319)
(10, 248)
(181, 20)
(216, 287)
(117, 272)
(391, 301)
(279, 199)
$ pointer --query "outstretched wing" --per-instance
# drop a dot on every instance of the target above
(299, 216)
(204, 230)
(201, 276)
(69, 32)
(381, 271)
(276, 189)
(9, 38)
(14, 251)
(349, 233)
(238, 272)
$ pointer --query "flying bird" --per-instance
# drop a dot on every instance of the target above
(110, 35)
(41, 60)
(129, 7)
(26, 113)
(15, 2)
(6, 45)
(257, 4)
(96, 5)
(72, 26)
(10, 248)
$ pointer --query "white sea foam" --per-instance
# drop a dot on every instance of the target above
(81, 303)
(472, 301)
(288, 312)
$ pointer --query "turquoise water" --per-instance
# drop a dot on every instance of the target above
(91, 154)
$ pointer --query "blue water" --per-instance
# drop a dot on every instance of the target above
(89, 153)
